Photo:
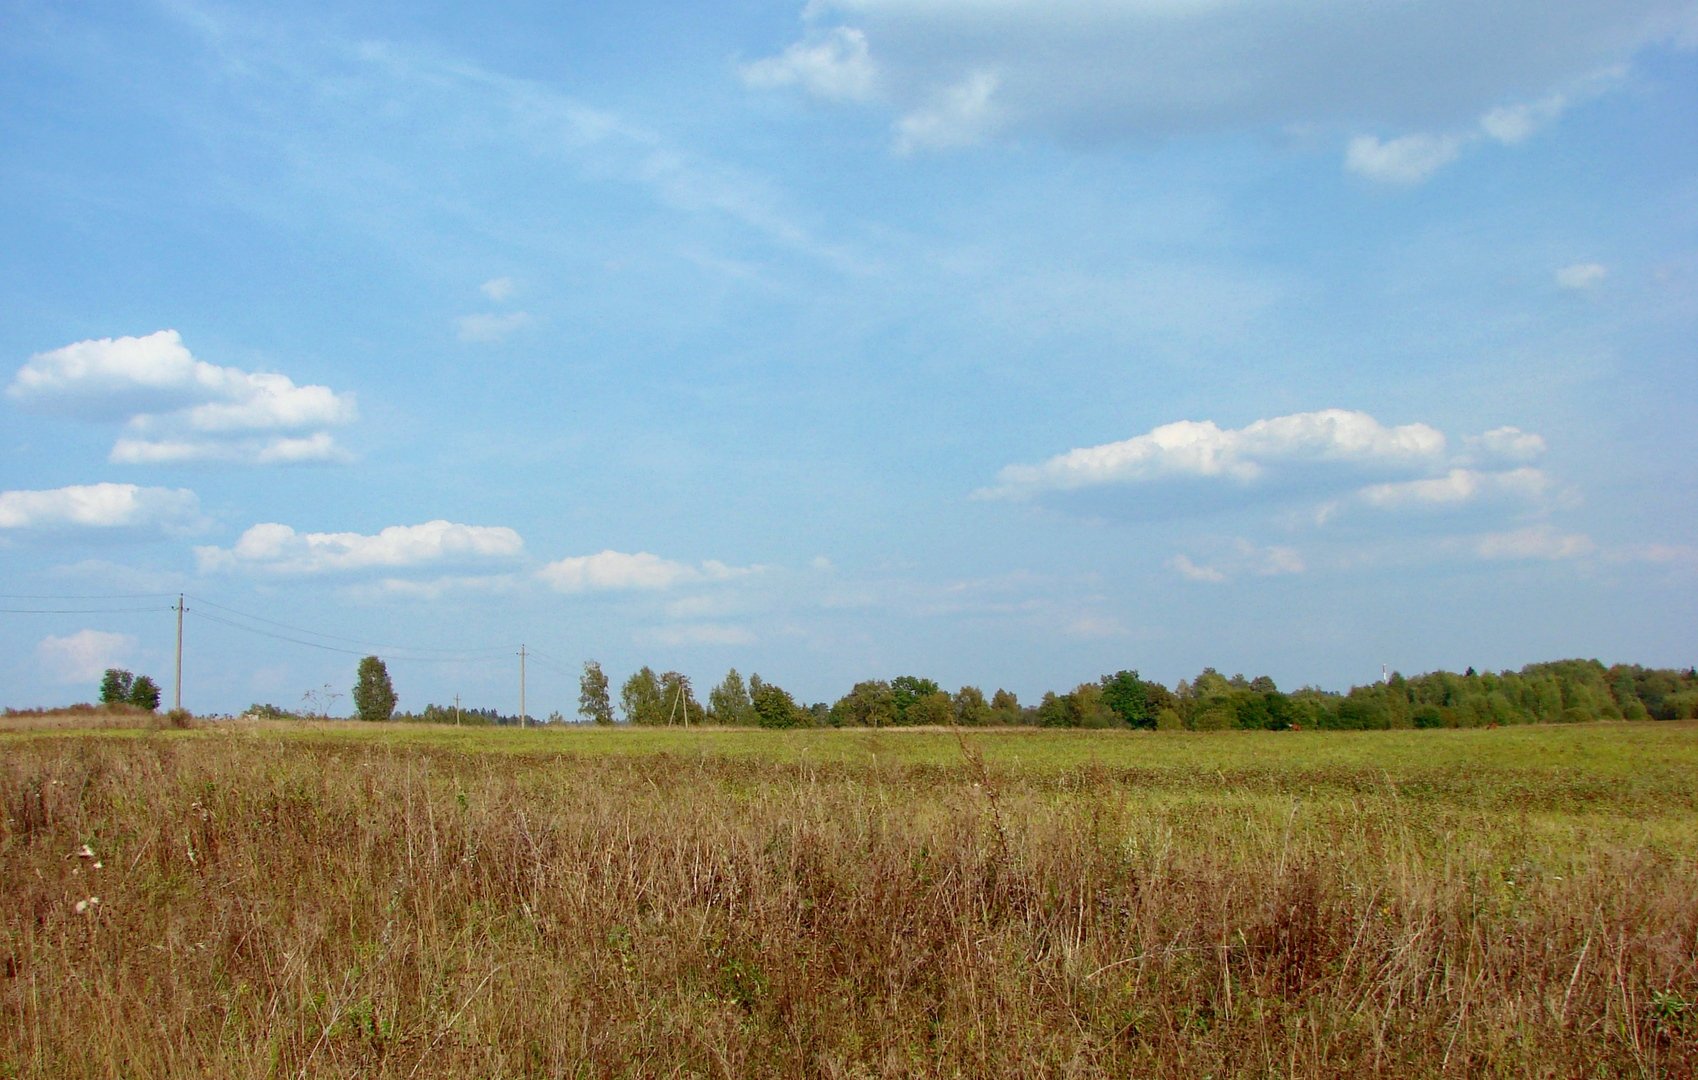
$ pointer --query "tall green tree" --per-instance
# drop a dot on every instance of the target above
(869, 703)
(1005, 707)
(971, 708)
(594, 704)
(908, 689)
(728, 703)
(1125, 695)
(374, 694)
(774, 707)
(115, 686)
(640, 698)
(144, 693)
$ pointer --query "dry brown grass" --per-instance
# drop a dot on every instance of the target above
(274, 907)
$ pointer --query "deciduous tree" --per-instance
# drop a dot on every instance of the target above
(594, 704)
(374, 694)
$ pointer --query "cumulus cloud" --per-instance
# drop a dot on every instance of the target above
(610, 571)
(1203, 450)
(101, 506)
(1534, 542)
(279, 549)
(1088, 71)
(173, 401)
(487, 329)
(1306, 470)
(834, 65)
(1580, 276)
(1409, 159)
(84, 656)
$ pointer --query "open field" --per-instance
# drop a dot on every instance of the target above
(342, 900)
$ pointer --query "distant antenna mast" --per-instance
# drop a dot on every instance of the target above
(1385, 676)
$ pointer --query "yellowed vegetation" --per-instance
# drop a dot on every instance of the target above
(357, 902)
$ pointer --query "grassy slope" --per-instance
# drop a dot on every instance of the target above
(413, 901)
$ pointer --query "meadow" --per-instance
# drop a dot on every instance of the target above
(413, 900)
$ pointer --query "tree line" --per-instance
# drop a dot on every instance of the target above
(1563, 691)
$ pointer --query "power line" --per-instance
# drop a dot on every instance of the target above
(388, 654)
(455, 653)
(79, 611)
(87, 596)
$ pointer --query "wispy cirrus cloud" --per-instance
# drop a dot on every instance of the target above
(177, 408)
(1090, 72)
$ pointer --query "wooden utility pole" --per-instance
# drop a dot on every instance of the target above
(521, 686)
(177, 698)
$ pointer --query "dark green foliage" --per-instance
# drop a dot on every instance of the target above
(115, 686)
(971, 708)
(1124, 694)
(144, 693)
(774, 707)
(908, 689)
(869, 704)
(594, 704)
(728, 703)
(640, 698)
(374, 694)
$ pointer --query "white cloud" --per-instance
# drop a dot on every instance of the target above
(1408, 159)
(1533, 542)
(1506, 443)
(487, 329)
(280, 450)
(101, 506)
(1457, 487)
(206, 412)
(1096, 71)
(279, 549)
(434, 589)
(84, 656)
(619, 571)
(835, 66)
(497, 289)
(1200, 449)
(958, 115)
(1582, 275)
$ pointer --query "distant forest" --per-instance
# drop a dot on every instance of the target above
(1564, 691)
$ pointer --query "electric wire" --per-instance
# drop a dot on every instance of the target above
(395, 655)
(79, 611)
(452, 654)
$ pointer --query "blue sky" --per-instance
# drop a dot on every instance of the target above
(1003, 342)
